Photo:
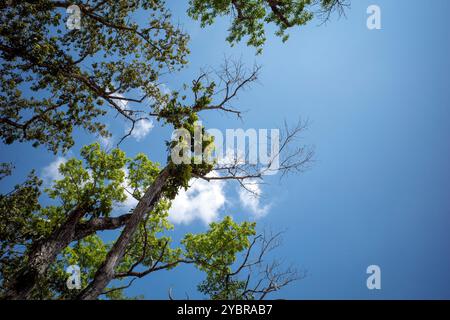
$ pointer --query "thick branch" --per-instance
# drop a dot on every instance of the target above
(106, 271)
(85, 229)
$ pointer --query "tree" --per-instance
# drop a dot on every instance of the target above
(249, 17)
(82, 75)
(100, 176)
(228, 279)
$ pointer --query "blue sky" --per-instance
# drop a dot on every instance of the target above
(378, 191)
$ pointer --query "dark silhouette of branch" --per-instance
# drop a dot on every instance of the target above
(328, 7)
(271, 277)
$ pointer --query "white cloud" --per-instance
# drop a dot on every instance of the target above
(164, 88)
(250, 199)
(203, 201)
(120, 102)
(106, 142)
(141, 129)
(51, 173)
(130, 201)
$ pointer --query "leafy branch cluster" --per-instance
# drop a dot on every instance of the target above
(54, 81)
(249, 17)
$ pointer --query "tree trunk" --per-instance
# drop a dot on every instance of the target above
(42, 255)
(45, 252)
(106, 271)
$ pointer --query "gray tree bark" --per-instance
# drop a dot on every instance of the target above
(41, 256)
(44, 253)
(106, 271)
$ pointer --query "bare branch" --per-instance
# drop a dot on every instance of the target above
(232, 78)
(328, 7)
(293, 157)
(271, 277)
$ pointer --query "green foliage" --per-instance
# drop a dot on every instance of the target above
(250, 16)
(141, 174)
(215, 251)
(217, 247)
(182, 173)
(54, 80)
(221, 287)
(147, 246)
(87, 253)
(77, 73)
(96, 184)
(18, 223)
(5, 170)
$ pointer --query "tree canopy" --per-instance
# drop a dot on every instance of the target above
(55, 80)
